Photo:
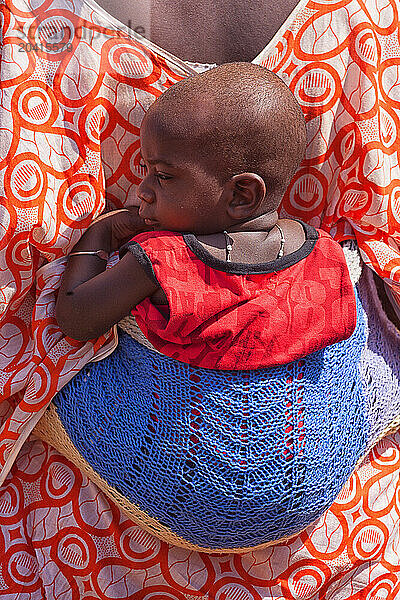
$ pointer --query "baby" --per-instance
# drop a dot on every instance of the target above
(218, 159)
(224, 290)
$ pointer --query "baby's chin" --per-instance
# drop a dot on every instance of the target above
(153, 225)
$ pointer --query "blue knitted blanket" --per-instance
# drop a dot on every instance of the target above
(225, 459)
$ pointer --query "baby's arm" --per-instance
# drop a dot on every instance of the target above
(92, 299)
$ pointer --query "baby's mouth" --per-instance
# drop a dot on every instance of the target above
(142, 214)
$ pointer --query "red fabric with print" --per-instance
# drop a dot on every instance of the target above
(221, 320)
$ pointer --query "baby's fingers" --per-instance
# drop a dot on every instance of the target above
(126, 224)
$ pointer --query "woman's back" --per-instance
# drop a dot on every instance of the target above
(206, 31)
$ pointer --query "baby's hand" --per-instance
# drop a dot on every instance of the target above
(120, 226)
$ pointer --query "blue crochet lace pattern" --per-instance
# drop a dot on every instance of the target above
(225, 459)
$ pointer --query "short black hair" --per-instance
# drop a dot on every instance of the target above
(239, 117)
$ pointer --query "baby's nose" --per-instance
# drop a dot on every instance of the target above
(144, 193)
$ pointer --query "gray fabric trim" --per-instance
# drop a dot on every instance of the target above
(136, 249)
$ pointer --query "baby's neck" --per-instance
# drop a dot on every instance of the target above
(262, 223)
(256, 241)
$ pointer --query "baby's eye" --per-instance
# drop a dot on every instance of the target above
(142, 165)
(163, 176)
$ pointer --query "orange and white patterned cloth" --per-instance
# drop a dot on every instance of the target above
(74, 87)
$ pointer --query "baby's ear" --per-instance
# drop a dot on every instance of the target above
(246, 191)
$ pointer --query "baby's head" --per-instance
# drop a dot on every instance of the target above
(220, 149)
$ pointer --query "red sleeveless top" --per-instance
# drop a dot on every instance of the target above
(238, 316)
